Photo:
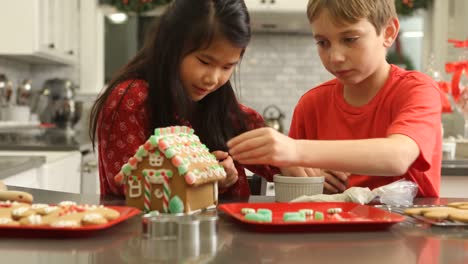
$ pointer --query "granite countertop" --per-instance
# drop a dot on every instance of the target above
(51, 139)
(11, 165)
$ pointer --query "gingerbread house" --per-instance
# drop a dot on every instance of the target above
(173, 172)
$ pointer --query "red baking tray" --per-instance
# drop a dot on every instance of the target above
(67, 232)
(354, 217)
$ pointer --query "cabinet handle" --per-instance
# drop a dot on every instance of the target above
(272, 1)
(70, 52)
(263, 1)
(51, 46)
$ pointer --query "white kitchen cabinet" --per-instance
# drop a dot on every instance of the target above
(299, 6)
(60, 172)
(40, 31)
(63, 174)
(29, 179)
(277, 6)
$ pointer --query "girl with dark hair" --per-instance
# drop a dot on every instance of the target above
(180, 77)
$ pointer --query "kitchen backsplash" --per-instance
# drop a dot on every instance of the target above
(17, 71)
(278, 69)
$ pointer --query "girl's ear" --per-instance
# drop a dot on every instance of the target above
(391, 32)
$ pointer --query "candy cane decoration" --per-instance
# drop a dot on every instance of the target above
(147, 195)
(166, 192)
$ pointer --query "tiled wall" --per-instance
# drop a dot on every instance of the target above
(17, 71)
(277, 69)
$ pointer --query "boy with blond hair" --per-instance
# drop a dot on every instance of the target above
(373, 120)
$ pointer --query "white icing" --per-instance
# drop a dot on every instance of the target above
(156, 160)
(19, 211)
(39, 206)
(35, 219)
(5, 220)
(158, 194)
(93, 207)
(134, 189)
(152, 178)
(92, 217)
(50, 209)
(65, 223)
(66, 203)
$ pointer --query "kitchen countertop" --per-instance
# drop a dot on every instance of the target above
(11, 165)
(45, 139)
(406, 242)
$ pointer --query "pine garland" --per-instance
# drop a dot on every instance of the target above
(407, 7)
(137, 6)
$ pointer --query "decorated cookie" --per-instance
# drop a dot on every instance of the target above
(20, 212)
(258, 217)
(334, 210)
(33, 219)
(17, 196)
(65, 214)
(8, 221)
(294, 217)
(66, 223)
(319, 216)
(48, 210)
(245, 211)
(108, 213)
(93, 219)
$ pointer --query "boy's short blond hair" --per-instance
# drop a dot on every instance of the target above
(377, 12)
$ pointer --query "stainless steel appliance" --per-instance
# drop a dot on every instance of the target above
(56, 103)
(274, 117)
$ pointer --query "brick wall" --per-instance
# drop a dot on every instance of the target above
(277, 69)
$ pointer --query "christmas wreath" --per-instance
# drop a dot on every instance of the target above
(136, 6)
(407, 7)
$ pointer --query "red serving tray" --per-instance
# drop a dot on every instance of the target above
(354, 217)
(66, 232)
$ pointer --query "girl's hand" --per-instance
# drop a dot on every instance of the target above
(263, 146)
(228, 164)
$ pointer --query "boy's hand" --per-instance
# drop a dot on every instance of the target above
(228, 164)
(335, 181)
(263, 146)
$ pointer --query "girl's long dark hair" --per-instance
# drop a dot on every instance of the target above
(186, 26)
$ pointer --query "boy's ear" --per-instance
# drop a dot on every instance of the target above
(391, 32)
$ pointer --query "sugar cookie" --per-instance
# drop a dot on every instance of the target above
(18, 196)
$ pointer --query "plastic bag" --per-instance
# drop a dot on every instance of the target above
(401, 192)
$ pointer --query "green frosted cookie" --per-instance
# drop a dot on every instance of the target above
(258, 217)
(318, 216)
(264, 211)
(294, 217)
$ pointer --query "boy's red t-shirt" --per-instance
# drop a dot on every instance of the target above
(122, 129)
(409, 103)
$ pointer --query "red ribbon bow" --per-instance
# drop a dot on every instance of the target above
(459, 43)
(457, 69)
